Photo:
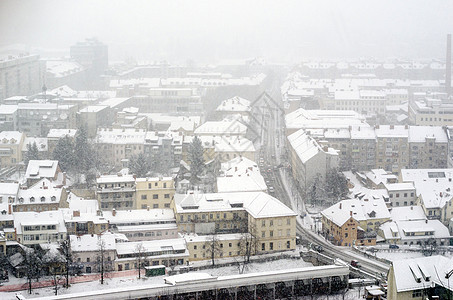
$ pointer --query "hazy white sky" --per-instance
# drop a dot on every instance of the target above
(211, 30)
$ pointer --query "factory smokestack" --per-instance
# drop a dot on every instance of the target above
(448, 67)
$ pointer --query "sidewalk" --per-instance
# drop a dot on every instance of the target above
(72, 279)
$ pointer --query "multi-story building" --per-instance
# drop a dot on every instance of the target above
(363, 148)
(21, 75)
(272, 224)
(169, 100)
(428, 147)
(116, 192)
(55, 135)
(93, 55)
(129, 118)
(65, 72)
(143, 224)
(94, 117)
(392, 152)
(309, 160)
(8, 117)
(39, 198)
(11, 143)
(155, 192)
(36, 119)
(118, 145)
(39, 227)
(369, 212)
(433, 191)
(431, 112)
(401, 194)
(164, 149)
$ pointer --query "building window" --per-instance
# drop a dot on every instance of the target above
(156, 196)
(144, 206)
(263, 233)
(271, 246)
(143, 197)
(167, 205)
(271, 233)
(263, 246)
(263, 223)
(155, 205)
(288, 244)
(167, 196)
(288, 221)
(271, 223)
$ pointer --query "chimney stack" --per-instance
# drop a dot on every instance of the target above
(448, 67)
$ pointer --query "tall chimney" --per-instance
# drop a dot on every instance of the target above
(448, 67)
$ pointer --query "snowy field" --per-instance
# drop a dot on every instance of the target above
(132, 281)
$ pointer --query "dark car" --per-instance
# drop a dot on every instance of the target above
(318, 248)
(394, 247)
(356, 264)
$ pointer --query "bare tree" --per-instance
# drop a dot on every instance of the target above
(212, 247)
(103, 261)
(65, 249)
(54, 262)
(140, 258)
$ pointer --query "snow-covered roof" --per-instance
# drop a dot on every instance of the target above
(62, 68)
(414, 230)
(258, 204)
(91, 243)
(402, 186)
(419, 134)
(234, 144)
(239, 166)
(204, 238)
(60, 133)
(105, 179)
(10, 137)
(39, 195)
(93, 108)
(7, 109)
(362, 210)
(422, 273)
(41, 169)
(252, 182)
(159, 246)
(113, 102)
(393, 131)
(362, 132)
(433, 186)
(378, 176)
(302, 118)
(221, 128)
(235, 104)
(306, 147)
(139, 216)
(407, 213)
(39, 218)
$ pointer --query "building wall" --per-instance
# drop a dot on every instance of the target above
(21, 76)
(199, 250)
(155, 193)
(344, 235)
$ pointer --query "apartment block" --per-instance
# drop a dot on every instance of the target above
(116, 192)
(155, 192)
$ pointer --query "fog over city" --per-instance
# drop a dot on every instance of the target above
(214, 30)
(220, 150)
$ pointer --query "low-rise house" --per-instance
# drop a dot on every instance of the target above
(203, 247)
(41, 145)
(143, 224)
(55, 135)
(172, 252)
(415, 232)
(86, 249)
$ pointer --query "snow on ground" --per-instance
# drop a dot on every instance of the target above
(133, 281)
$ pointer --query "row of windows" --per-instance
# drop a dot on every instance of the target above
(155, 196)
(280, 233)
(156, 205)
(271, 222)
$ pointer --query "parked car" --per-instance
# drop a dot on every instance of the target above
(394, 246)
(356, 264)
